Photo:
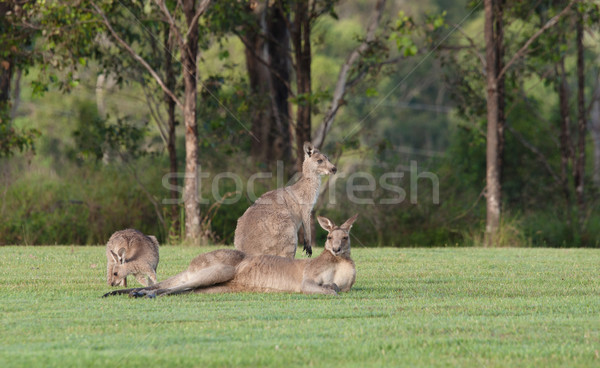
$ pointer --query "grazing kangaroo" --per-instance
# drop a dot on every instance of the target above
(229, 270)
(131, 252)
(270, 225)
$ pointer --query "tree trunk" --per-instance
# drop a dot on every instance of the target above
(258, 76)
(493, 193)
(499, 45)
(171, 105)
(566, 150)
(579, 174)
(301, 43)
(267, 64)
(189, 55)
(595, 132)
(6, 73)
(279, 41)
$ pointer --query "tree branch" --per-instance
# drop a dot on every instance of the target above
(137, 57)
(481, 195)
(539, 32)
(201, 10)
(261, 60)
(540, 156)
(163, 8)
(341, 85)
(160, 122)
(473, 46)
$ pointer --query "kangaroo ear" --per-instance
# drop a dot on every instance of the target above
(114, 256)
(122, 255)
(309, 149)
(153, 238)
(348, 224)
(325, 223)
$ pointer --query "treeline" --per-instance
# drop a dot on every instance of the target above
(475, 124)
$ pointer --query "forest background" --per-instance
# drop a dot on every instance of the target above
(451, 123)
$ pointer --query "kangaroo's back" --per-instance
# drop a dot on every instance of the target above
(143, 248)
(128, 252)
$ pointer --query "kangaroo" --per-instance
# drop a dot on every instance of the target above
(131, 252)
(270, 225)
(230, 270)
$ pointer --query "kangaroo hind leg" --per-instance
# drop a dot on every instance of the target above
(205, 277)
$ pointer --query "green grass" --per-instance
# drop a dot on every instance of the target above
(409, 307)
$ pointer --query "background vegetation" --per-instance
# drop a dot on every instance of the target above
(84, 154)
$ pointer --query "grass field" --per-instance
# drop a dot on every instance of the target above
(409, 307)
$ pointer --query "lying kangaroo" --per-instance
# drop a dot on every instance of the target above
(229, 270)
(270, 225)
(131, 252)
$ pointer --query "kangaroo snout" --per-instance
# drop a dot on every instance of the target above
(333, 170)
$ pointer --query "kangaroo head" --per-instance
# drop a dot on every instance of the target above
(338, 239)
(316, 162)
(118, 271)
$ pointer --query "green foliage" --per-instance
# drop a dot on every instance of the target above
(397, 115)
(95, 137)
(54, 35)
(409, 307)
(11, 138)
(509, 234)
(407, 30)
(403, 35)
(85, 205)
(315, 99)
(437, 21)
(531, 162)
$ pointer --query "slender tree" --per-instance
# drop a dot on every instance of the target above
(267, 43)
(278, 39)
(594, 128)
(119, 69)
(493, 192)
(494, 81)
(171, 120)
(579, 167)
(303, 58)
(186, 35)
(566, 147)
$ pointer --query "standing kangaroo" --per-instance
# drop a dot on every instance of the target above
(270, 225)
(131, 252)
(229, 270)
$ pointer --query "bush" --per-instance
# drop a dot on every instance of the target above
(83, 205)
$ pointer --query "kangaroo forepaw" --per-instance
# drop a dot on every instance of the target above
(117, 292)
(143, 294)
(332, 286)
(308, 249)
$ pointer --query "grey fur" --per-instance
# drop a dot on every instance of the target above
(271, 224)
(131, 252)
(229, 270)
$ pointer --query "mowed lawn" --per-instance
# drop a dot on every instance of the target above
(409, 307)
